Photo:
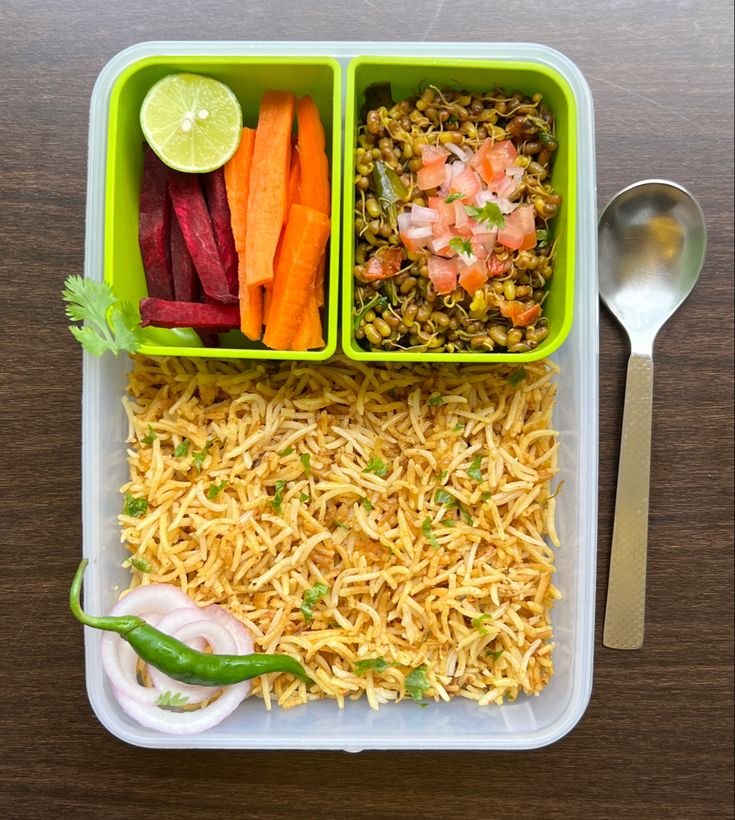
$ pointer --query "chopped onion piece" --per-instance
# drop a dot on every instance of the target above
(463, 154)
(405, 220)
(419, 232)
(421, 215)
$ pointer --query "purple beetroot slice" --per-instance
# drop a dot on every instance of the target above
(165, 313)
(154, 226)
(196, 226)
(186, 283)
(215, 192)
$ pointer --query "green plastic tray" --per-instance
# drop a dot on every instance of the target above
(405, 75)
(249, 77)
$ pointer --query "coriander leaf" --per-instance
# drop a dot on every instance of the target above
(477, 623)
(305, 460)
(200, 455)
(441, 496)
(135, 506)
(367, 503)
(176, 699)
(428, 533)
(417, 683)
(516, 376)
(448, 522)
(463, 246)
(442, 475)
(542, 237)
(465, 515)
(151, 437)
(341, 525)
(490, 213)
(312, 596)
(454, 197)
(496, 655)
(435, 400)
(139, 563)
(378, 466)
(457, 428)
(286, 452)
(304, 497)
(277, 499)
(372, 665)
(110, 324)
(475, 470)
(182, 448)
(486, 496)
(216, 489)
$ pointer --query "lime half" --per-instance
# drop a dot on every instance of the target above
(193, 123)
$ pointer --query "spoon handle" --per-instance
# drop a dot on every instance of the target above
(626, 591)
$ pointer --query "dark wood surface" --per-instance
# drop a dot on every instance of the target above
(656, 740)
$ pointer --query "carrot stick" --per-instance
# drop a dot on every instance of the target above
(314, 164)
(237, 180)
(268, 185)
(294, 181)
(267, 299)
(304, 240)
(309, 334)
(251, 306)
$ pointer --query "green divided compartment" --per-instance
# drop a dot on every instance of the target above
(248, 77)
(406, 75)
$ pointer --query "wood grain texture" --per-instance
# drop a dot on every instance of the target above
(656, 740)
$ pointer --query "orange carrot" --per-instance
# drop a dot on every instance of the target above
(267, 299)
(237, 181)
(304, 240)
(294, 181)
(309, 334)
(251, 305)
(314, 164)
(268, 185)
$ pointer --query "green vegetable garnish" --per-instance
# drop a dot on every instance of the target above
(441, 496)
(417, 683)
(277, 499)
(477, 623)
(389, 189)
(139, 563)
(442, 475)
(372, 665)
(303, 497)
(515, 377)
(135, 506)
(475, 470)
(216, 489)
(378, 302)
(545, 138)
(150, 437)
(457, 428)
(200, 455)
(305, 460)
(486, 495)
(169, 699)
(495, 655)
(286, 452)
(542, 237)
(341, 525)
(111, 324)
(377, 466)
(490, 213)
(367, 503)
(428, 533)
(435, 400)
(463, 246)
(182, 448)
(454, 197)
(311, 597)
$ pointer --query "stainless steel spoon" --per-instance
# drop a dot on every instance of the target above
(652, 245)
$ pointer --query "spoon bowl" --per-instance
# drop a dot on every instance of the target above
(652, 241)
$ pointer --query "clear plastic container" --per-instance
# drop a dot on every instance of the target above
(527, 723)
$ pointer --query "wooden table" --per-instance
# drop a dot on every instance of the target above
(656, 740)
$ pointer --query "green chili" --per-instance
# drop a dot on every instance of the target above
(176, 659)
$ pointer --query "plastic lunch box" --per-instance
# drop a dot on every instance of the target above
(461, 724)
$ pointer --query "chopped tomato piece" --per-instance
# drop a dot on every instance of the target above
(385, 263)
(430, 176)
(472, 276)
(479, 248)
(411, 244)
(519, 231)
(431, 154)
(465, 183)
(491, 161)
(446, 213)
(521, 315)
(496, 267)
(443, 274)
